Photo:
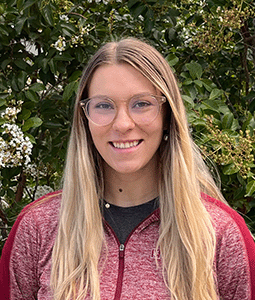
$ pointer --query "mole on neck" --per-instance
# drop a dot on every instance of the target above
(120, 190)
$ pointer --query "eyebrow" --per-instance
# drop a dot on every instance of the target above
(135, 95)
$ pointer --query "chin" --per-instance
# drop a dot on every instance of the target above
(127, 169)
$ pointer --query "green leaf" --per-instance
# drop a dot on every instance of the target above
(132, 3)
(198, 82)
(22, 78)
(32, 123)
(4, 30)
(31, 95)
(76, 75)
(69, 89)
(188, 100)
(20, 63)
(10, 193)
(28, 4)
(52, 66)
(208, 84)
(37, 87)
(195, 70)
(230, 169)
(24, 114)
(20, 4)
(172, 59)
(5, 63)
(227, 121)
(191, 91)
(20, 24)
(250, 188)
(69, 28)
(4, 95)
(14, 84)
(32, 139)
(2, 102)
(252, 106)
(187, 81)
(44, 63)
(48, 15)
(170, 34)
(215, 93)
(52, 125)
(139, 10)
(64, 57)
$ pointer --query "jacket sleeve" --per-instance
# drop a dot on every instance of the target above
(233, 265)
(18, 264)
(235, 259)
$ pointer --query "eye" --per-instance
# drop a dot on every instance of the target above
(141, 104)
(103, 106)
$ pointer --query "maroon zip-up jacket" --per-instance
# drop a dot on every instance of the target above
(130, 271)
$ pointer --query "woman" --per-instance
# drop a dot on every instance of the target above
(135, 219)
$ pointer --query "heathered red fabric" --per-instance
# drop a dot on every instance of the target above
(130, 271)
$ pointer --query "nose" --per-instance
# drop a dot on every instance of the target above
(123, 122)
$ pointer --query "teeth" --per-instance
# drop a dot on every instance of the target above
(125, 145)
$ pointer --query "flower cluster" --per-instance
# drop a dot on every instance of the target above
(15, 148)
(60, 44)
(64, 18)
(235, 151)
(83, 31)
(10, 114)
(219, 28)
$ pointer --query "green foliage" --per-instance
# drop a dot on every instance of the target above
(44, 46)
(210, 45)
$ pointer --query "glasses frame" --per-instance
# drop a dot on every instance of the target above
(84, 103)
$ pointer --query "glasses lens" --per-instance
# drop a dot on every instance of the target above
(100, 110)
(143, 109)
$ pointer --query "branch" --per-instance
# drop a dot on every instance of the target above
(77, 14)
(20, 188)
(246, 37)
(3, 217)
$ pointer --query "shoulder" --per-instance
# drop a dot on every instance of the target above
(47, 205)
(223, 215)
(33, 231)
(235, 244)
(35, 216)
(39, 218)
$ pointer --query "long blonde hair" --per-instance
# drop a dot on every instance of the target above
(186, 241)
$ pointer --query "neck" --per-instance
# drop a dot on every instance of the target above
(130, 189)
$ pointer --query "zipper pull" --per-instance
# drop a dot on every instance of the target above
(122, 248)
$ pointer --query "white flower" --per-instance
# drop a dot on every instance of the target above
(10, 114)
(16, 150)
(64, 18)
(60, 44)
(29, 81)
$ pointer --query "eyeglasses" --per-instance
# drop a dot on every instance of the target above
(142, 108)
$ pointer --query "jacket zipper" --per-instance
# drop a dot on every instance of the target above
(120, 272)
(121, 258)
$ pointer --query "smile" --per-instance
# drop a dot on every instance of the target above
(125, 145)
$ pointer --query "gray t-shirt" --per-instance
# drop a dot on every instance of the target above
(124, 219)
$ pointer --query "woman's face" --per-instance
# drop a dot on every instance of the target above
(125, 146)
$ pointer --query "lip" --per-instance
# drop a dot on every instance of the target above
(125, 144)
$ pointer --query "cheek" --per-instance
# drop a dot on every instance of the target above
(93, 132)
(98, 136)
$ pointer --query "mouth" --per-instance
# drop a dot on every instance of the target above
(125, 145)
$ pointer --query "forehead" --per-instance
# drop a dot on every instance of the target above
(119, 81)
